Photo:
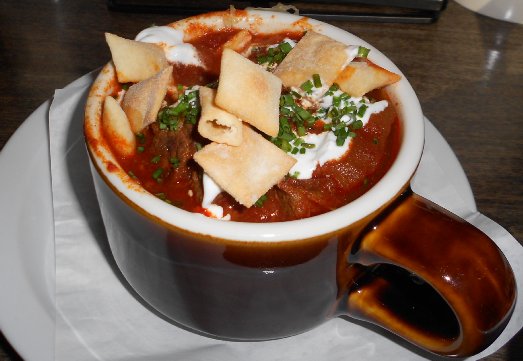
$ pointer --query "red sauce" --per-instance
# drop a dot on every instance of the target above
(336, 183)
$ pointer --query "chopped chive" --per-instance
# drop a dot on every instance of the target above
(362, 110)
(358, 124)
(140, 149)
(261, 200)
(187, 109)
(375, 141)
(140, 137)
(156, 159)
(175, 162)
(363, 52)
(317, 80)
(302, 113)
(285, 47)
(308, 145)
(163, 197)
(287, 99)
(157, 174)
(307, 87)
(295, 94)
(285, 145)
(132, 175)
(298, 141)
(301, 131)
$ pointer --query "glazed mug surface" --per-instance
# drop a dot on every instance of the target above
(390, 257)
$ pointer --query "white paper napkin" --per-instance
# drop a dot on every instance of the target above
(98, 318)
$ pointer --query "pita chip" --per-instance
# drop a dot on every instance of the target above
(239, 41)
(359, 78)
(314, 54)
(247, 171)
(134, 60)
(215, 123)
(250, 92)
(143, 100)
(117, 127)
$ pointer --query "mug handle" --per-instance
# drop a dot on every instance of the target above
(431, 278)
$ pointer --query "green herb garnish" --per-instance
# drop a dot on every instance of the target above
(261, 200)
(157, 174)
(307, 87)
(140, 137)
(175, 162)
(363, 52)
(275, 55)
(295, 122)
(163, 197)
(187, 109)
(156, 159)
(316, 80)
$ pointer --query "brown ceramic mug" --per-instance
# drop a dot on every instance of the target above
(390, 257)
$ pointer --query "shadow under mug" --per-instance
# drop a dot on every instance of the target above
(408, 265)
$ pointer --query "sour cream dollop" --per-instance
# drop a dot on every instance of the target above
(210, 191)
(171, 40)
(325, 147)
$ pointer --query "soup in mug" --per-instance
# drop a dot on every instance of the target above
(333, 133)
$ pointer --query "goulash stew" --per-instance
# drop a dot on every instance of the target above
(250, 127)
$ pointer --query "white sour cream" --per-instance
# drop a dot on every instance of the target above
(352, 52)
(325, 148)
(210, 191)
(171, 40)
(289, 41)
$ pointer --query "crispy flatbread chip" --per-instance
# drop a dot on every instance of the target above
(117, 128)
(134, 60)
(250, 92)
(143, 100)
(215, 123)
(248, 171)
(314, 54)
(359, 78)
(239, 41)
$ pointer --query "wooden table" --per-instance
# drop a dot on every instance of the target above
(467, 70)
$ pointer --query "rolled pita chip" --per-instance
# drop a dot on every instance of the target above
(134, 60)
(215, 123)
(117, 128)
(314, 54)
(359, 78)
(143, 100)
(250, 92)
(239, 41)
(247, 171)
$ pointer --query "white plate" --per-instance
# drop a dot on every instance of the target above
(26, 220)
(27, 247)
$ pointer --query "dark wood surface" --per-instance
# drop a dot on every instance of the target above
(467, 70)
